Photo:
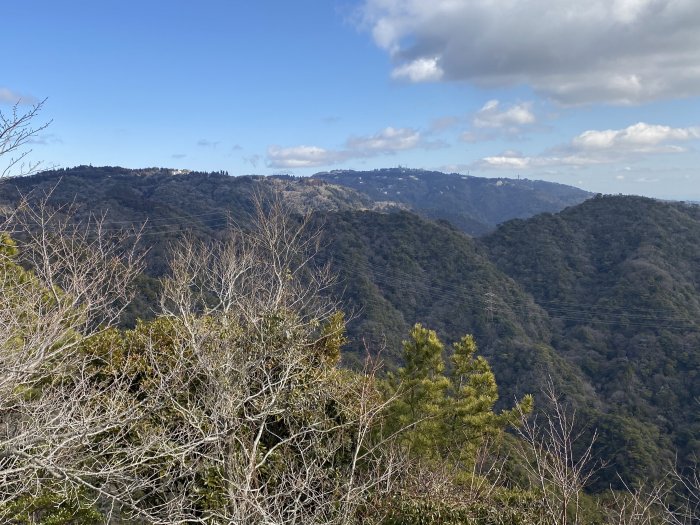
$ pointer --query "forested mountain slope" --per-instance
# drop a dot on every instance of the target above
(603, 297)
(473, 204)
(620, 280)
(637, 387)
(398, 269)
(170, 202)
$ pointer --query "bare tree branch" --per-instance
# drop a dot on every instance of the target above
(559, 470)
(16, 131)
(62, 283)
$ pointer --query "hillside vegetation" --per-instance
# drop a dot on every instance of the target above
(601, 299)
(620, 280)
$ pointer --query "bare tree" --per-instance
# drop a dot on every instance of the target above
(268, 268)
(559, 467)
(290, 432)
(673, 500)
(688, 483)
(639, 505)
(234, 408)
(17, 129)
(61, 283)
(559, 459)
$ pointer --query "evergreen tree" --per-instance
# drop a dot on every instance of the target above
(446, 413)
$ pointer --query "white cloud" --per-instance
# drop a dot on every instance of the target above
(613, 51)
(601, 147)
(9, 96)
(640, 138)
(419, 70)
(301, 157)
(494, 121)
(492, 116)
(386, 142)
(506, 161)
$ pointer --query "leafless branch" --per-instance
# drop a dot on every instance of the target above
(548, 450)
(61, 282)
(16, 131)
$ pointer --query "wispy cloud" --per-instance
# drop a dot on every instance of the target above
(253, 160)
(8, 96)
(206, 143)
(388, 140)
(441, 124)
(44, 139)
(179, 155)
(612, 51)
(331, 120)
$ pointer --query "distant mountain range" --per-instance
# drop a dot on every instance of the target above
(599, 295)
(475, 205)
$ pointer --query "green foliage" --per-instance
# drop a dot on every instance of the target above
(422, 389)
(446, 413)
(506, 507)
(51, 507)
(8, 247)
(619, 278)
(473, 393)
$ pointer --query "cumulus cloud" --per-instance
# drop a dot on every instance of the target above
(601, 147)
(419, 70)
(491, 115)
(638, 138)
(386, 142)
(493, 121)
(612, 51)
(9, 96)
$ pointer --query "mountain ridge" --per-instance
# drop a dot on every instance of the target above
(476, 205)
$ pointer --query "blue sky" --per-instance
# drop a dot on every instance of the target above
(603, 94)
